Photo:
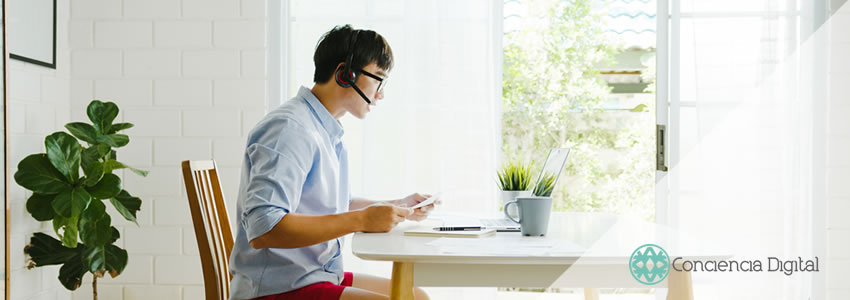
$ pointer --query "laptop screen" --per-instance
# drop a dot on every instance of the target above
(551, 171)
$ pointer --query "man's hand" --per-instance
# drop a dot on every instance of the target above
(382, 217)
(418, 214)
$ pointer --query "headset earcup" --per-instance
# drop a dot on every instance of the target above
(339, 80)
(344, 78)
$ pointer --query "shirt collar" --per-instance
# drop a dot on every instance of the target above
(331, 125)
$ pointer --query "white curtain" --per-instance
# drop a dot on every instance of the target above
(437, 128)
(745, 171)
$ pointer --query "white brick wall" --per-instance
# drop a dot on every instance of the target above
(124, 92)
(96, 64)
(179, 34)
(212, 9)
(191, 76)
(183, 93)
(151, 63)
(151, 9)
(216, 63)
(120, 34)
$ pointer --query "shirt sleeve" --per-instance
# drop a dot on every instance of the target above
(278, 170)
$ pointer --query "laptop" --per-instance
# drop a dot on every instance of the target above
(554, 165)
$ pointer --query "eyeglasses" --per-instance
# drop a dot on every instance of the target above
(381, 81)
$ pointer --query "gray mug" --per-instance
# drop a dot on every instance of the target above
(533, 214)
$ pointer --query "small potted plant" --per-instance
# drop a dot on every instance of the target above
(514, 179)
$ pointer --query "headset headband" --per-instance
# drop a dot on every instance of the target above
(351, 48)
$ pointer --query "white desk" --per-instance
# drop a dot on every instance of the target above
(594, 253)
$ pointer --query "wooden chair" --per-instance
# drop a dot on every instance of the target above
(212, 226)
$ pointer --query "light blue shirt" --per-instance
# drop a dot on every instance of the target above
(294, 162)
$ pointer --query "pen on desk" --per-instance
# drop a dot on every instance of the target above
(474, 228)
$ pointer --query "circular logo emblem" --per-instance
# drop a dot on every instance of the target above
(649, 264)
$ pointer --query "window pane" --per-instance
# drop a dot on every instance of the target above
(721, 58)
(581, 76)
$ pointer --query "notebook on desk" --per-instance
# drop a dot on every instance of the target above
(431, 232)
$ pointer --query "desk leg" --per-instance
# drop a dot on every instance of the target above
(591, 294)
(680, 286)
(402, 281)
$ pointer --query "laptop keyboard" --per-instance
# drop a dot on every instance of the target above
(502, 222)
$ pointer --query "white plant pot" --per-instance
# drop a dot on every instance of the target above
(508, 196)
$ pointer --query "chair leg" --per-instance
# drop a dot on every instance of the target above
(402, 281)
(591, 294)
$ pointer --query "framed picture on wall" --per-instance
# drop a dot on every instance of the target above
(32, 31)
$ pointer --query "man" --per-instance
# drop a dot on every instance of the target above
(294, 202)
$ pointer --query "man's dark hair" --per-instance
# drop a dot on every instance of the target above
(333, 48)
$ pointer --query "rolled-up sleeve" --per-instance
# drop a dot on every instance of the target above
(278, 170)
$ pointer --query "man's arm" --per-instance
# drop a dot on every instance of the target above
(299, 230)
(359, 203)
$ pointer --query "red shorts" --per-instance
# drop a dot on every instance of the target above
(320, 291)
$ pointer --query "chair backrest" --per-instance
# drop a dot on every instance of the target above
(212, 225)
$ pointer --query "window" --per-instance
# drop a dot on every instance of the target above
(578, 74)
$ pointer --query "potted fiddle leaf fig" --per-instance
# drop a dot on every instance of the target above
(71, 186)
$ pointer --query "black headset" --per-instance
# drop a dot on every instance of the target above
(345, 76)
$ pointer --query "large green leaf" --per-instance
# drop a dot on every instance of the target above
(36, 173)
(45, 250)
(70, 203)
(119, 126)
(38, 205)
(94, 153)
(109, 258)
(127, 205)
(83, 131)
(94, 172)
(66, 229)
(95, 229)
(109, 186)
(72, 272)
(63, 151)
(114, 140)
(115, 235)
(102, 114)
(114, 165)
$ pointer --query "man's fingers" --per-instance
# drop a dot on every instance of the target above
(403, 211)
(426, 208)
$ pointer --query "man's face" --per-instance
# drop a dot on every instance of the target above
(355, 104)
